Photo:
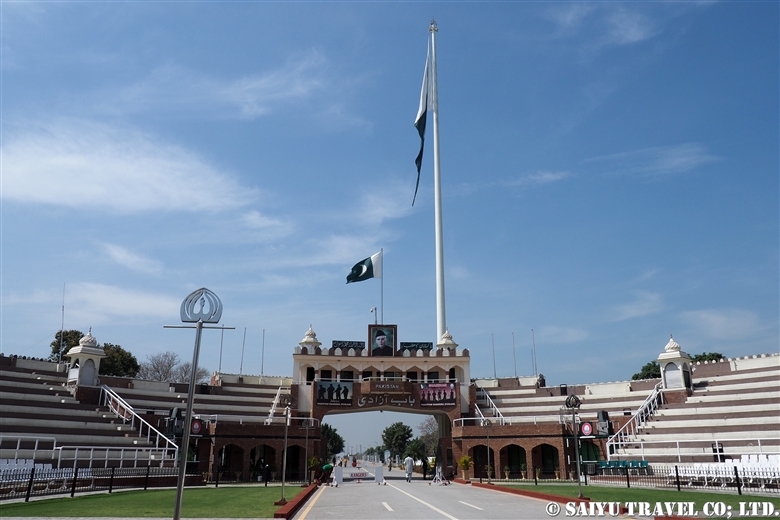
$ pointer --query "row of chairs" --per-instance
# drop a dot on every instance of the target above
(610, 467)
(17, 464)
(725, 474)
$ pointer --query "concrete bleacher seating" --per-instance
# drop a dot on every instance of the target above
(522, 404)
(732, 410)
(42, 421)
(226, 402)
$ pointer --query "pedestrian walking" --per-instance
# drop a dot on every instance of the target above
(408, 466)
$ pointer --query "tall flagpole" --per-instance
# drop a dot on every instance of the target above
(441, 317)
(382, 285)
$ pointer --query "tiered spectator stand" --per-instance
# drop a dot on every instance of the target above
(43, 422)
(532, 417)
(732, 412)
(237, 414)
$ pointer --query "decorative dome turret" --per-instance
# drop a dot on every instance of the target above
(88, 340)
(672, 346)
(85, 361)
(446, 341)
(310, 339)
(675, 368)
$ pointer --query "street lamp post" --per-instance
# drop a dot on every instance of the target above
(486, 423)
(573, 403)
(309, 425)
(210, 311)
(285, 400)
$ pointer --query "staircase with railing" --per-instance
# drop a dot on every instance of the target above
(158, 446)
(628, 433)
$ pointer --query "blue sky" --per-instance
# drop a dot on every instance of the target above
(609, 170)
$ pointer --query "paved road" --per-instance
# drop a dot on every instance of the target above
(417, 500)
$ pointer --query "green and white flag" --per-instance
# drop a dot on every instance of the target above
(371, 267)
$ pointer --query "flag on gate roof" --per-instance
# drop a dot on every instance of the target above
(420, 120)
(370, 267)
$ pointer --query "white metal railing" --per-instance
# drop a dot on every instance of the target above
(494, 409)
(272, 411)
(107, 456)
(628, 432)
(256, 419)
(506, 421)
(125, 411)
(37, 451)
(702, 448)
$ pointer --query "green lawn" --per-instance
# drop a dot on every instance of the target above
(636, 494)
(223, 502)
(258, 501)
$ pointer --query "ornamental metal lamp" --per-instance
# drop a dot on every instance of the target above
(487, 424)
(209, 311)
(285, 400)
(573, 403)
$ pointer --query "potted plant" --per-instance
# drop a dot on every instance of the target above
(465, 463)
(522, 471)
(506, 472)
(314, 468)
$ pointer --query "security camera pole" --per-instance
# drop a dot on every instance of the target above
(188, 315)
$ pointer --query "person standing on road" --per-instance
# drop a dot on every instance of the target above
(408, 466)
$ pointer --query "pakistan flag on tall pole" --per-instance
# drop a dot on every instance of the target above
(370, 267)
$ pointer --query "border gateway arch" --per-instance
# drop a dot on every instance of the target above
(410, 377)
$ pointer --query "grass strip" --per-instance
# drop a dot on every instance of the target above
(652, 495)
(222, 502)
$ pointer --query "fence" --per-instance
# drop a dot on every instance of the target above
(39, 481)
(714, 476)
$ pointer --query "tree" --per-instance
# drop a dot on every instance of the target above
(70, 339)
(707, 356)
(118, 362)
(416, 449)
(396, 437)
(183, 372)
(430, 434)
(333, 441)
(166, 366)
(651, 370)
(159, 367)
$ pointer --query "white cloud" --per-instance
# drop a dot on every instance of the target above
(130, 260)
(175, 88)
(724, 324)
(657, 161)
(570, 15)
(536, 179)
(646, 303)
(627, 26)
(540, 178)
(565, 335)
(389, 201)
(91, 166)
(608, 25)
(90, 304)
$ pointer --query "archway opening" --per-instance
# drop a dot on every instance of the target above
(512, 461)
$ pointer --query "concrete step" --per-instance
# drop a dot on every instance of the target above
(38, 398)
(32, 424)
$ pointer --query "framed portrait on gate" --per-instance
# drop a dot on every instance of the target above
(382, 339)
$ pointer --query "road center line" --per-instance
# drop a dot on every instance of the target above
(387, 506)
(470, 505)
(424, 503)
